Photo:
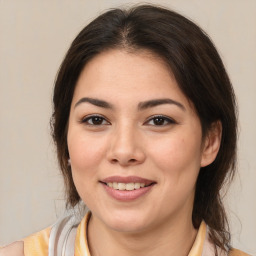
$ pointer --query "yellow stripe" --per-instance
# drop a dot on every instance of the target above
(235, 252)
(37, 244)
(197, 248)
(81, 245)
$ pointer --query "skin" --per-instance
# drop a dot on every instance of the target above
(14, 249)
(128, 141)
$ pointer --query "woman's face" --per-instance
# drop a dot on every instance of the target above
(135, 142)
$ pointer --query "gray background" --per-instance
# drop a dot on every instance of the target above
(34, 36)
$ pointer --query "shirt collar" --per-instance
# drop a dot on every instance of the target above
(201, 247)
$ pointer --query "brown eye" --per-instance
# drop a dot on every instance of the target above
(95, 120)
(160, 121)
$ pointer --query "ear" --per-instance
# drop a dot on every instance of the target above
(211, 144)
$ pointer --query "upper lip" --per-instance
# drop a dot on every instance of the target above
(128, 179)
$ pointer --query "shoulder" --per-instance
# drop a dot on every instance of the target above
(14, 249)
(235, 252)
(36, 244)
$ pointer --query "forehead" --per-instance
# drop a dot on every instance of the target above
(118, 74)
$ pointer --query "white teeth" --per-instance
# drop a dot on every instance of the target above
(125, 186)
(115, 185)
(110, 185)
(121, 186)
(130, 186)
(137, 185)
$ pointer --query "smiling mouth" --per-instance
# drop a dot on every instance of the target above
(127, 186)
(127, 189)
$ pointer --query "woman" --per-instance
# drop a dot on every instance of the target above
(145, 127)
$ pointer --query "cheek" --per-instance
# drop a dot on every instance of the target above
(178, 157)
(178, 163)
(85, 153)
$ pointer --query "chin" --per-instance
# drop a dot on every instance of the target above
(127, 222)
(128, 227)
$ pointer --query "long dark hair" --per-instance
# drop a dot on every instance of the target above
(200, 74)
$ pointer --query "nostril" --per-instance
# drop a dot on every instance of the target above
(131, 161)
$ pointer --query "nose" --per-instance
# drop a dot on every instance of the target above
(125, 147)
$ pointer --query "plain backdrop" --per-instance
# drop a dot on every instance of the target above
(34, 36)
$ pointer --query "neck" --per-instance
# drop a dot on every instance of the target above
(174, 237)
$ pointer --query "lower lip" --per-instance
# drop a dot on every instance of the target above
(127, 195)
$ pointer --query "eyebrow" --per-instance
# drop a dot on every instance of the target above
(157, 102)
(96, 102)
(141, 106)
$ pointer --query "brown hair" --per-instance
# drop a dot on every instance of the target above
(200, 74)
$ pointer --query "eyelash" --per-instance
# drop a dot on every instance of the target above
(164, 120)
(86, 120)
